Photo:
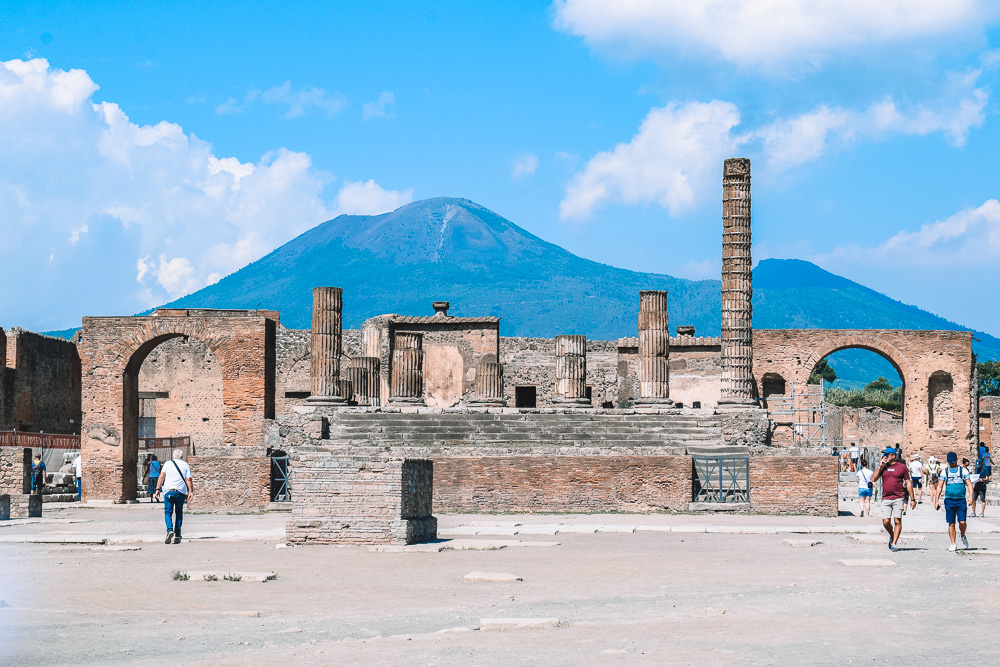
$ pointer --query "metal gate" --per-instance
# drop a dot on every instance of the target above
(281, 489)
(721, 479)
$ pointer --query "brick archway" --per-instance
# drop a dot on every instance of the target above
(112, 350)
(916, 355)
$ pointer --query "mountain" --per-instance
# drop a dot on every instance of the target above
(458, 251)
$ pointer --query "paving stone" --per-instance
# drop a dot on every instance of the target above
(803, 543)
(687, 529)
(655, 528)
(793, 529)
(537, 530)
(487, 624)
(723, 529)
(757, 530)
(615, 528)
(220, 575)
(868, 562)
(461, 530)
(491, 577)
(580, 528)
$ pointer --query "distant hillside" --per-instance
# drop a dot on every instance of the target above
(455, 250)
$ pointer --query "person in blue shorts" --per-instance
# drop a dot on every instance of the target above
(865, 487)
(957, 496)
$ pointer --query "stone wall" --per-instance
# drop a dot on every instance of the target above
(360, 499)
(292, 382)
(39, 383)
(231, 481)
(14, 477)
(989, 423)
(794, 485)
(532, 362)
(866, 427)
(562, 484)
(695, 371)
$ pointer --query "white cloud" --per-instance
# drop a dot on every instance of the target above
(524, 165)
(369, 198)
(298, 103)
(133, 215)
(379, 107)
(674, 156)
(769, 33)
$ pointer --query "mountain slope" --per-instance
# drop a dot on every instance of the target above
(455, 250)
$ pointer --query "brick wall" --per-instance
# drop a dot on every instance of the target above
(13, 475)
(39, 383)
(794, 485)
(360, 499)
(562, 484)
(224, 481)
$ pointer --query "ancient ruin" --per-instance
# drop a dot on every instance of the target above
(367, 430)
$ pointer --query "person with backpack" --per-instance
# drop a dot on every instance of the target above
(865, 487)
(175, 477)
(37, 475)
(152, 476)
(957, 489)
(984, 469)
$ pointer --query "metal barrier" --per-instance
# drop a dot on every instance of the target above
(722, 479)
(281, 489)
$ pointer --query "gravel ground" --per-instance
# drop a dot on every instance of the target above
(645, 597)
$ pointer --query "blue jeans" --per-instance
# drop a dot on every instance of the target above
(151, 485)
(79, 488)
(173, 502)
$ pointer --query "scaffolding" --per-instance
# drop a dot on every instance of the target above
(805, 411)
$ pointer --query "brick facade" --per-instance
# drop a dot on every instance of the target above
(39, 383)
(230, 481)
(15, 470)
(112, 351)
(360, 499)
(794, 485)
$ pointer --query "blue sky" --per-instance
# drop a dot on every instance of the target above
(148, 150)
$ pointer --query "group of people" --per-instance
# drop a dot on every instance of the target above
(902, 484)
(38, 475)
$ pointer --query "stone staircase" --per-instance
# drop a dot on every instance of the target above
(634, 433)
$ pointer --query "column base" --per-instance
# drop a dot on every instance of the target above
(738, 403)
(653, 402)
(326, 400)
(571, 403)
(406, 401)
(487, 403)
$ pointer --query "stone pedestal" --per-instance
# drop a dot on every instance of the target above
(654, 350)
(363, 374)
(489, 385)
(737, 286)
(571, 372)
(24, 505)
(407, 387)
(325, 347)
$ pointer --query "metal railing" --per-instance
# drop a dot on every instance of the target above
(281, 488)
(807, 413)
(721, 479)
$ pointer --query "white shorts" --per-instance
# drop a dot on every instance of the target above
(892, 509)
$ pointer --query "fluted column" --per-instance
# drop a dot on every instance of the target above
(489, 384)
(654, 349)
(325, 347)
(571, 371)
(737, 285)
(407, 368)
(364, 376)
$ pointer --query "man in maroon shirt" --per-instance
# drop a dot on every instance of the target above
(895, 478)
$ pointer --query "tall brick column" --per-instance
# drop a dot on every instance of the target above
(571, 372)
(654, 349)
(407, 369)
(364, 376)
(489, 384)
(737, 285)
(325, 347)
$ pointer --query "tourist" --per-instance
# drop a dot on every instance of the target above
(916, 477)
(933, 473)
(175, 477)
(854, 457)
(37, 475)
(895, 483)
(983, 469)
(957, 491)
(865, 487)
(153, 475)
(78, 473)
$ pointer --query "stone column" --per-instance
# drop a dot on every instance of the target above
(737, 286)
(654, 349)
(407, 369)
(489, 384)
(571, 372)
(364, 376)
(325, 347)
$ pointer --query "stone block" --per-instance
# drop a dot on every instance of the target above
(487, 624)
(25, 505)
(4, 507)
(491, 577)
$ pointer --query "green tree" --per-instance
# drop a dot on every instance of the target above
(822, 371)
(989, 378)
(881, 383)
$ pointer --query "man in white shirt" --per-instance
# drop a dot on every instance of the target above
(78, 473)
(175, 479)
(917, 476)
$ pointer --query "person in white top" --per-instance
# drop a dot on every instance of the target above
(865, 487)
(175, 477)
(917, 476)
(78, 473)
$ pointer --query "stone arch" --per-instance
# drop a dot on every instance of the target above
(851, 340)
(112, 352)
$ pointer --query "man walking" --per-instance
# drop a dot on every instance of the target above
(916, 476)
(895, 478)
(175, 477)
(957, 493)
(78, 473)
(984, 469)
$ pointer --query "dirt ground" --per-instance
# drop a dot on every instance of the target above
(644, 597)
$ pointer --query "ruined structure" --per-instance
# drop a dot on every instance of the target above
(325, 348)
(654, 349)
(737, 285)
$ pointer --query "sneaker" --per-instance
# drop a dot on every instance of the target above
(982, 514)
(177, 540)
(893, 547)
(953, 548)
(965, 542)
(170, 537)
(862, 513)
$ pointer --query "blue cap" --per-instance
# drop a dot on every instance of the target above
(952, 457)
(889, 450)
